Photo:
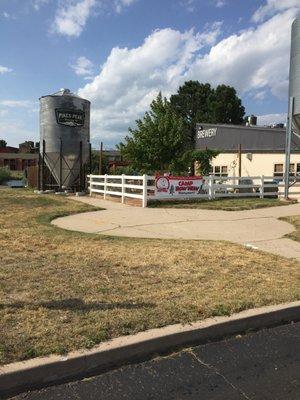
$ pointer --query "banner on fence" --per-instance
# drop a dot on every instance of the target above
(168, 186)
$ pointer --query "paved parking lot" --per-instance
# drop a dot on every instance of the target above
(259, 366)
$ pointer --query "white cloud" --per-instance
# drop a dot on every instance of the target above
(3, 113)
(220, 3)
(255, 61)
(120, 4)
(15, 132)
(6, 15)
(260, 95)
(16, 103)
(269, 119)
(83, 66)
(37, 4)
(189, 5)
(131, 78)
(4, 70)
(272, 7)
(72, 16)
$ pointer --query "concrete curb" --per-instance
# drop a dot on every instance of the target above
(45, 371)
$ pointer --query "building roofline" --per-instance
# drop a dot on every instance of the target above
(253, 127)
(264, 151)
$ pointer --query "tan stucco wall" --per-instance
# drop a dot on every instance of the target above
(261, 164)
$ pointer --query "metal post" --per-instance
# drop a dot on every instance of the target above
(289, 127)
(43, 165)
(101, 159)
(90, 181)
(39, 170)
(60, 165)
(80, 167)
(90, 150)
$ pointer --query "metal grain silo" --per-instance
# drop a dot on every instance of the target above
(294, 86)
(64, 138)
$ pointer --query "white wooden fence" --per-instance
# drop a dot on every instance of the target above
(143, 187)
(124, 186)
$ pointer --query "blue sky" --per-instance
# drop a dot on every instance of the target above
(120, 53)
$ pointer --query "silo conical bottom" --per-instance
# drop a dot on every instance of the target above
(70, 167)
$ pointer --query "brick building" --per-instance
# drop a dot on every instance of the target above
(19, 158)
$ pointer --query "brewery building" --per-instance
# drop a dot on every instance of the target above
(248, 150)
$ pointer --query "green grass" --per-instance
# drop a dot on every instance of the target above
(236, 204)
(62, 290)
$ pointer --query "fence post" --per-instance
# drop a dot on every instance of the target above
(262, 190)
(145, 185)
(123, 188)
(105, 182)
(210, 188)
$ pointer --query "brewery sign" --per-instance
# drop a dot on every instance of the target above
(185, 186)
(206, 133)
(69, 117)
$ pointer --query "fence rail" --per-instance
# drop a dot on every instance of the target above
(143, 187)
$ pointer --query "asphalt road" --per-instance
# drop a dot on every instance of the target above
(263, 365)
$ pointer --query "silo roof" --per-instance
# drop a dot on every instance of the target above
(63, 92)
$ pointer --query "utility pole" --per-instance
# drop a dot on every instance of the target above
(101, 158)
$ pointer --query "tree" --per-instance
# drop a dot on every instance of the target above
(3, 143)
(196, 102)
(225, 107)
(192, 103)
(157, 139)
(190, 157)
(96, 161)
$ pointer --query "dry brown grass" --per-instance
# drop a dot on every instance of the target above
(63, 290)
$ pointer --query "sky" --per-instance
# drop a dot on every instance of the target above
(120, 53)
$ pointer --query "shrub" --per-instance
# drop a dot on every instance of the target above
(4, 174)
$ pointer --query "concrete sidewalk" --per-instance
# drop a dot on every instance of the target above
(259, 228)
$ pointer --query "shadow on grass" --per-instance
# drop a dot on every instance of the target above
(77, 305)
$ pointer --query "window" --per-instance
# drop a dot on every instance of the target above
(220, 170)
(278, 170)
(224, 171)
(217, 171)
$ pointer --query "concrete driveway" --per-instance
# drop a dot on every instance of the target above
(259, 228)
